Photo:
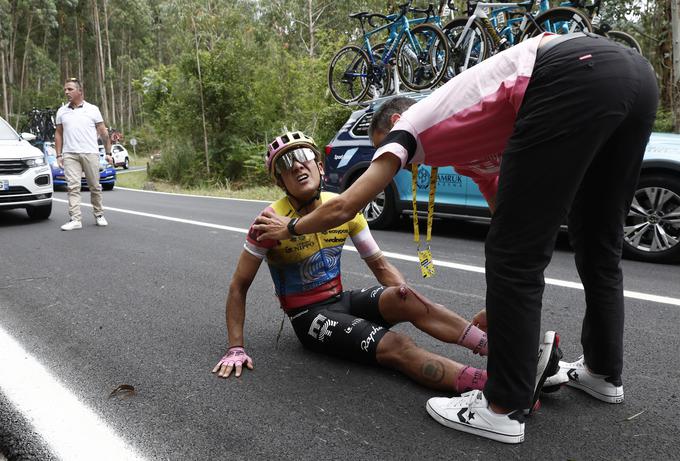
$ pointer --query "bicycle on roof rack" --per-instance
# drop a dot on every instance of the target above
(602, 28)
(492, 27)
(420, 55)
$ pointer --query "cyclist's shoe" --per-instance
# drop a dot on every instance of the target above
(471, 413)
(601, 387)
(72, 225)
(549, 355)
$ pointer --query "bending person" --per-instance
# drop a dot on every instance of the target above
(570, 117)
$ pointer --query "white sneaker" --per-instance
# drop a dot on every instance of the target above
(72, 225)
(601, 387)
(547, 370)
(101, 221)
(471, 413)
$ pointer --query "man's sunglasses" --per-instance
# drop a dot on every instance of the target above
(286, 161)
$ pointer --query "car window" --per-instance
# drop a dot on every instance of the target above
(360, 128)
(6, 132)
(117, 148)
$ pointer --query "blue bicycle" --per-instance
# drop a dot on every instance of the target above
(419, 53)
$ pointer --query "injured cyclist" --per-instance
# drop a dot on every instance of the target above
(355, 324)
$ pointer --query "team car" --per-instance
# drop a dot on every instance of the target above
(651, 230)
(107, 172)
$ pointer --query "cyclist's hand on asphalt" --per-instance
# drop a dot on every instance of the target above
(233, 360)
(479, 320)
(272, 226)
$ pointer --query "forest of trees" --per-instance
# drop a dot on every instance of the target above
(208, 83)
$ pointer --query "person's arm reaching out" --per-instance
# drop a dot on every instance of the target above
(338, 210)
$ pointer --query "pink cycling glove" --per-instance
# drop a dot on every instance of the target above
(236, 356)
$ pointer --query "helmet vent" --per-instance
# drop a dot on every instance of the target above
(285, 139)
(296, 135)
(275, 145)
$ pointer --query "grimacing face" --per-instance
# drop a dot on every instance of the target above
(303, 179)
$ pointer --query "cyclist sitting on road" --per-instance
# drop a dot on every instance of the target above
(307, 280)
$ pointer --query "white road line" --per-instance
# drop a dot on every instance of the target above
(193, 195)
(71, 429)
(402, 257)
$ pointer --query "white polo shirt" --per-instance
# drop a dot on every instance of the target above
(80, 133)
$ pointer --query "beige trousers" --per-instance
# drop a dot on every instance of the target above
(74, 167)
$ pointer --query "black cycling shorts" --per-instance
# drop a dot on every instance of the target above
(348, 325)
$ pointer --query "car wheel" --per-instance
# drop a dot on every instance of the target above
(381, 212)
(652, 229)
(107, 186)
(39, 212)
(126, 165)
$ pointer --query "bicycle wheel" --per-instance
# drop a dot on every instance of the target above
(561, 20)
(474, 47)
(624, 39)
(422, 58)
(349, 75)
(382, 82)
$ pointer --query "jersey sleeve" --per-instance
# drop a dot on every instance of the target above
(400, 141)
(96, 115)
(255, 248)
(362, 238)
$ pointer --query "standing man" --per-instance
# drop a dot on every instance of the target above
(570, 117)
(78, 125)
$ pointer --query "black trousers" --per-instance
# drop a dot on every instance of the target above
(574, 155)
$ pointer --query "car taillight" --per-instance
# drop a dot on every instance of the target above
(329, 148)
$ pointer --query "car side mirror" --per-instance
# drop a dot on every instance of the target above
(28, 137)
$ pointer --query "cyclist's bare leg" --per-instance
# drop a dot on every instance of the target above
(403, 304)
(398, 351)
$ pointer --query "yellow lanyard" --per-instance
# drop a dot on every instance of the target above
(425, 256)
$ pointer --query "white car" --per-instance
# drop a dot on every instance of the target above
(120, 156)
(25, 176)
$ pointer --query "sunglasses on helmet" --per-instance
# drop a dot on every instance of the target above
(285, 162)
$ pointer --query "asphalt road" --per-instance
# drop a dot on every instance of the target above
(141, 303)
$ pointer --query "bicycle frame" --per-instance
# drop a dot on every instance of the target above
(480, 12)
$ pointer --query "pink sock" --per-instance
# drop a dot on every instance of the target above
(470, 378)
(474, 339)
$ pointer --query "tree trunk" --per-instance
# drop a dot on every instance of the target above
(100, 61)
(310, 17)
(29, 26)
(110, 67)
(200, 86)
(675, 74)
(5, 105)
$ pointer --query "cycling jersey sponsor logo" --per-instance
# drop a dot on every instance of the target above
(370, 339)
(320, 265)
(321, 327)
(355, 322)
(376, 291)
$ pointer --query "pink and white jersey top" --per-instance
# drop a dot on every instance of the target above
(467, 122)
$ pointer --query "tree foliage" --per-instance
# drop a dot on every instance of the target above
(262, 69)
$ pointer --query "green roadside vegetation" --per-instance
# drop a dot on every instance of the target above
(140, 180)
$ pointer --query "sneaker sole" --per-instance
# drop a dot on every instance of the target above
(598, 395)
(552, 366)
(487, 433)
